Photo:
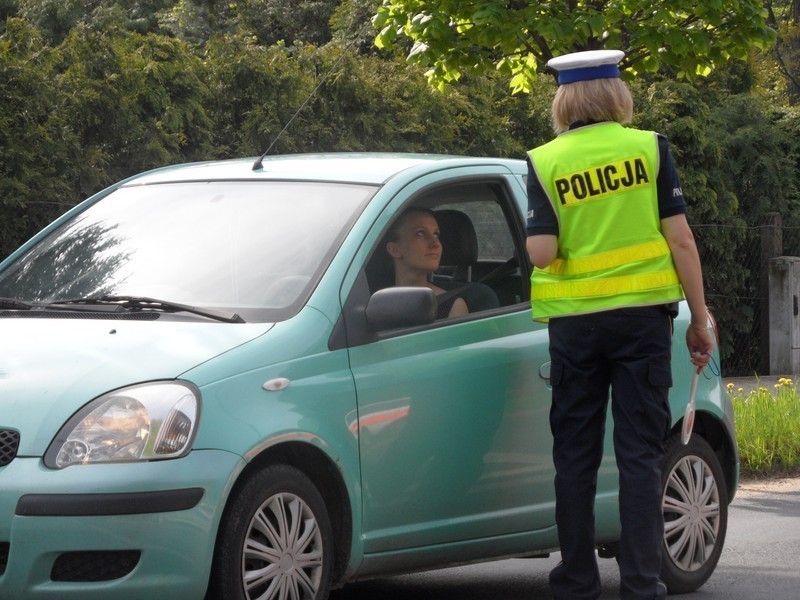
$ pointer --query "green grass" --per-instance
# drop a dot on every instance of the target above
(768, 428)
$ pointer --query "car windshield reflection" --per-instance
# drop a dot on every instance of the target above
(256, 248)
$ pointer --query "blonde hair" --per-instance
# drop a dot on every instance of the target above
(594, 100)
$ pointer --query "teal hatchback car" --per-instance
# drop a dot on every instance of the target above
(210, 387)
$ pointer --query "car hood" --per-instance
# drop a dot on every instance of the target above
(51, 367)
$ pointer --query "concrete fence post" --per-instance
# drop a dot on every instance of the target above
(784, 320)
(771, 247)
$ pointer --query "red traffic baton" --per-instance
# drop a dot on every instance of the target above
(688, 414)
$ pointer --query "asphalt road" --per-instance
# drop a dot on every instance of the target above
(760, 561)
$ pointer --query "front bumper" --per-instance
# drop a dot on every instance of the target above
(112, 531)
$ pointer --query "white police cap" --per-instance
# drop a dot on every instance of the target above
(590, 64)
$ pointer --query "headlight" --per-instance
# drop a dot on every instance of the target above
(150, 421)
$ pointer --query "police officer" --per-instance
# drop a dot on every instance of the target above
(613, 253)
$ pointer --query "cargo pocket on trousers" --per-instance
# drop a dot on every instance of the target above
(659, 375)
(658, 414)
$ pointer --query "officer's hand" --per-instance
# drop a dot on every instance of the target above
(700, 343)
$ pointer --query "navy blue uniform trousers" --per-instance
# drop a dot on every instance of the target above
(627, 351)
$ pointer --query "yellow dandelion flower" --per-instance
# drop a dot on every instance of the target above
(730, 386)
(740, 390)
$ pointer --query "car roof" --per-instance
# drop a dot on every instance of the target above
(365, 168)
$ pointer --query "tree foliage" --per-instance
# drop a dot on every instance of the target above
(518, 37)
(98, 107)
(367, 103)
(784, 17)
(134, 100)
(32, 151)
(55, 18)
(269, 21)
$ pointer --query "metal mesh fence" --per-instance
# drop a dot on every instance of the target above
(735, 271)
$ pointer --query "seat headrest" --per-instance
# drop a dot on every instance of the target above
(459, 241)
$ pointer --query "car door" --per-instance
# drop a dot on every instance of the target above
(453, 416)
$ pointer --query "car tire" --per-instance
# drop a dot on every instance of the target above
(695, 505)
(275, 540)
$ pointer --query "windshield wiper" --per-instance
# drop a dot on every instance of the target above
(135, 303)
(14, 304)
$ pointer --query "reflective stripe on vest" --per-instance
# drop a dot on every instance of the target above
(608, 260)
(609, 286)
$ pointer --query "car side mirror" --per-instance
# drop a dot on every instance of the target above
(395, 307)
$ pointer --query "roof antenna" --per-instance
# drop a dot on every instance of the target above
(259, 162)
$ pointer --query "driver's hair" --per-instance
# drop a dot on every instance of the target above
(592, 101)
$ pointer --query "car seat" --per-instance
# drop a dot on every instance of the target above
(459, 256)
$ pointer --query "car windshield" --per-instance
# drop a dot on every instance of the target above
(258, 248)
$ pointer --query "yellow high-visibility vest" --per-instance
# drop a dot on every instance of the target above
(601, 181)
